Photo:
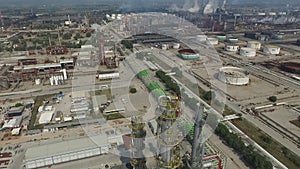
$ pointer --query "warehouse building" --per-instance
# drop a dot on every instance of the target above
(65, 151)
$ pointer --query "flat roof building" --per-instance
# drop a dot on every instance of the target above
(64, 151)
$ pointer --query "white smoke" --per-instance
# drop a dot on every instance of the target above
(211, 6)
(189, 5)
(195, 8)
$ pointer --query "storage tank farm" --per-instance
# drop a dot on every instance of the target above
(168, 112)
(138, 134)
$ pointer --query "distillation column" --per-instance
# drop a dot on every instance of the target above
(168, 134)
(198, 144)
(138, 134)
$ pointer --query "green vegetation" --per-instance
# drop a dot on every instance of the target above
(113, 116)
(170, 83)
(248, 153)
(132, 90)
(127, 43)
(77, 36)
(67, 36)
(272, 99)
(228, 111)
(189, 128)
(208, 96)
(88, 34)
(153, 87)
(288, 158)
(18, 104)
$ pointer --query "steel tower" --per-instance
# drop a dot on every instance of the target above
(168, 133)
(198, 144)
(138, 134)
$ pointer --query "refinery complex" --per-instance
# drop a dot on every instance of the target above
(185, 84)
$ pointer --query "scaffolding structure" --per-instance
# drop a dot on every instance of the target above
(168, 133)
(138, 134)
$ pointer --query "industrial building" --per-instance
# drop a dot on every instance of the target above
(254, 45)
(12, 123)
(247, 52)
(270, 49)
(56, 50)
(15, 111)
(65, 151)
(291, 67)
(233, 75)
(109, 76)
(231, 47)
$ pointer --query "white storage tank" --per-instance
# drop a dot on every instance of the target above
(37, 81)
(234, 76)
(164, 46)
(231, 48)
(254, 45)
(270, 49)
(212, 41)
(247, 52)
(176, 45)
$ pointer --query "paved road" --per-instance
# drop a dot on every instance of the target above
(233, 159)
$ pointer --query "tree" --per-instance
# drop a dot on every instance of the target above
(209, 95)
(132, 90)
(127, 43)
(272, 99)
(88, 34)
(18, 104)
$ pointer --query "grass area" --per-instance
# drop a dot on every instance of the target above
(113, 116)
(228, 111)
(296, 123)
(273, 147)
(38, 102)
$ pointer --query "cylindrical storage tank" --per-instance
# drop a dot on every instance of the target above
(164, 46)
(261, 13)
(231, 48)
(37, 81)
(201, 38)
(51, 80)
(188, 54)
(176, 45)
(232, 40)
(272, 13)
(65, 74)
(212, 41)
(254, 45)
(273, 50)
(247, 52)
(233, 75)
(221, 37)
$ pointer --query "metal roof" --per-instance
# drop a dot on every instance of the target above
(64, 147)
